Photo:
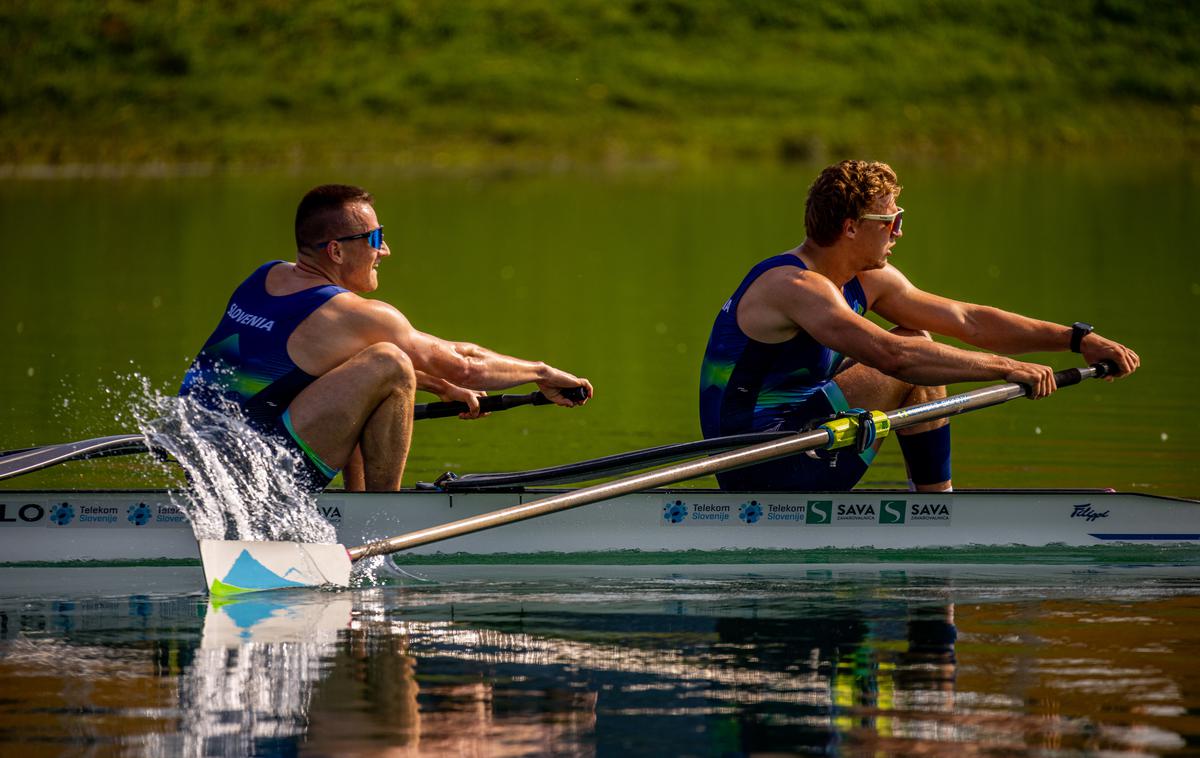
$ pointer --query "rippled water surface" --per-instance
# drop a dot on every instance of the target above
(685, 660)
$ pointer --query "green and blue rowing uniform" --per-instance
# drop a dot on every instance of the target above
(245, 363)
(752, 386)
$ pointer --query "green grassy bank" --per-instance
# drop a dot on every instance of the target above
(548, 83)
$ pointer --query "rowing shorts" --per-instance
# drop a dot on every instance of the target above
(830, 471)
(315, 475)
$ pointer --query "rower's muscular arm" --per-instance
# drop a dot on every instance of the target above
(814, 304)
(463, 364)
(449, 393)
(1000, 331)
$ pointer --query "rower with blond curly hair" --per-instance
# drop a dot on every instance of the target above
(792, 344)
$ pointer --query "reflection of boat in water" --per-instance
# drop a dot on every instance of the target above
(720, 659)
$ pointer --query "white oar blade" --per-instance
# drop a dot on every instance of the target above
(232, 567)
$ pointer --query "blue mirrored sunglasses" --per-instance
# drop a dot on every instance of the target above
(374, 238)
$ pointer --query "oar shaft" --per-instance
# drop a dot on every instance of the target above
(575, 498)
(799, 443)
(985, 397)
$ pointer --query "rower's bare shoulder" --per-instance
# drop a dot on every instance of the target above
(365, 315)
(789, 283)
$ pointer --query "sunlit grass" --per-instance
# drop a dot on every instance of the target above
(534, 82)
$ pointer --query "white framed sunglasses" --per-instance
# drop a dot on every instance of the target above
(895, 219)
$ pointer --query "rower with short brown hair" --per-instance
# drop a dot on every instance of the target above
(308, 360)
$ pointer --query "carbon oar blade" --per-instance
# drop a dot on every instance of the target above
(233, 567)
(18, 462)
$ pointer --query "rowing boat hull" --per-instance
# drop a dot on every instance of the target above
(144, 525)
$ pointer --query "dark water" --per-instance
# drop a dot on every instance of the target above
(616, 278)
(687, 660)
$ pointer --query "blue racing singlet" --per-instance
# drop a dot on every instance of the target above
(246, 361)
(746, 385)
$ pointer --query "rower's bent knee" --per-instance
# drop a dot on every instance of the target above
(923, 394)
(392, 363)
(920, 393)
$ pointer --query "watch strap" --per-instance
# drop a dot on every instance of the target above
(1079, 330)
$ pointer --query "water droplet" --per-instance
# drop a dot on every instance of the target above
(508, 272)
(681, 348)
(21, 325)
(994, 271)
(1163, 436)
(1037, 430)
(29, 371)
(660, 327)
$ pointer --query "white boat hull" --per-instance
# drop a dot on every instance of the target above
(136, 526)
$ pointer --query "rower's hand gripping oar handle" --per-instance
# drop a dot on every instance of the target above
(493, 403)
(860, 428)
(1069, 376)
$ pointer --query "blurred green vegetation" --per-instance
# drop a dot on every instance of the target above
(546, 83)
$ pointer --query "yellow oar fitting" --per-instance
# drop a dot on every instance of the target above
(858, 428)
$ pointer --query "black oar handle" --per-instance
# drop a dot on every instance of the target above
(493, 403)
(1099, 370)
(1069, 376)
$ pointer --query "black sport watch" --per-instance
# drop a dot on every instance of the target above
(1079, 330)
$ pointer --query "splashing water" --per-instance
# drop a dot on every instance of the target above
(243, 485)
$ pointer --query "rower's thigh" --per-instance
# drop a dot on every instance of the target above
(329, 414)
(866, 387)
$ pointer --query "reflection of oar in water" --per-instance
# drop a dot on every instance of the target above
(274, 619)
(17, 462)
(238, 566)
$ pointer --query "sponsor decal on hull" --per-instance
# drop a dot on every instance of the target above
(93, 514)
(682, 513)
(929, 513)
(855, 513)
(22, 514)
(892, 511)
(331, 511)
(815, 513)
(752, 513)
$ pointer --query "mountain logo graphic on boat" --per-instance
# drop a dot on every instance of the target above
(675, 512)
(750, 512)
(62, 514)
(247, 574)
(139, 514)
